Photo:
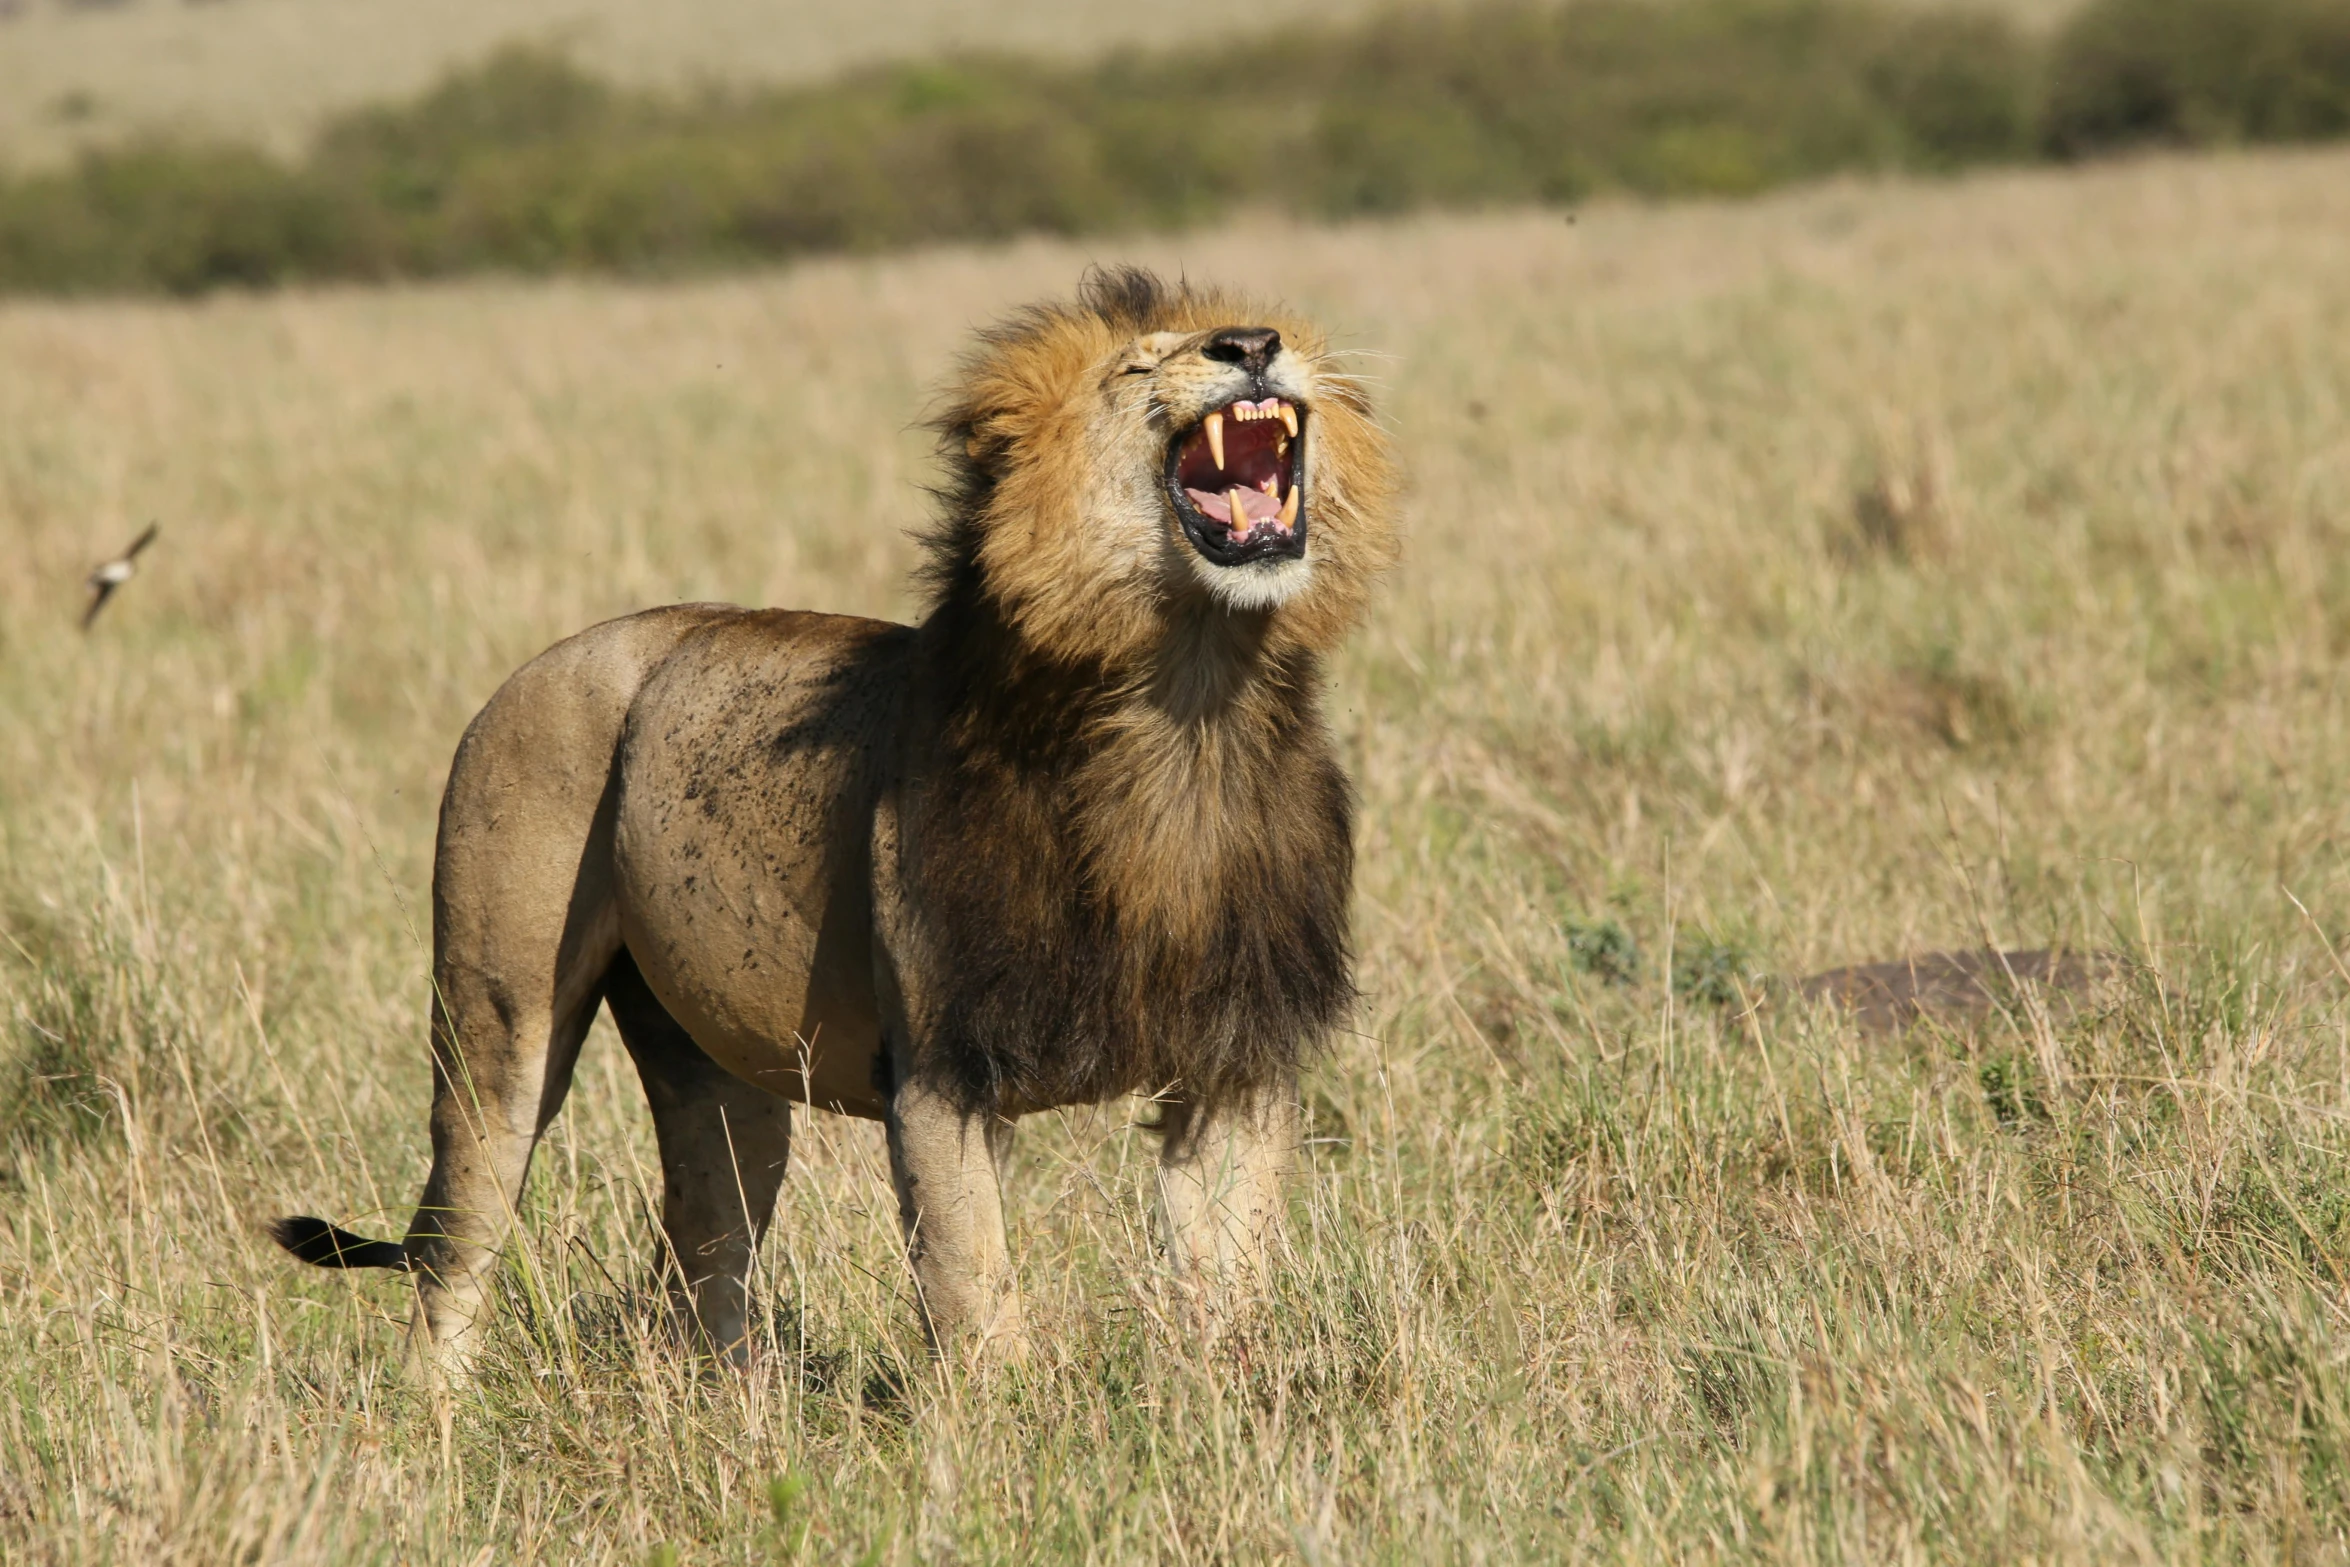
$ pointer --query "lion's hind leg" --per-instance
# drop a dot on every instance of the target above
(525, 929)
(724, 1148)
(498, 1079)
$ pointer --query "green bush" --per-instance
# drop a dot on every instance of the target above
(1703, 96)
(525, 163)
(182, 218)
(2199, 72)
(1962, 88)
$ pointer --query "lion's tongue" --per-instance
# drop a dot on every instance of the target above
(1256, 506)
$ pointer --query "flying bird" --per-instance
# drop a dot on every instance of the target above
(114, 573)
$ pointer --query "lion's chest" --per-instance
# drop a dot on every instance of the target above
(1134, 924)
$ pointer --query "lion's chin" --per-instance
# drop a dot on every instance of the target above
(1266, 584)
(1235, 480)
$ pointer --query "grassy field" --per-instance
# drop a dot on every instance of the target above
(1818, 579)
(271, 70)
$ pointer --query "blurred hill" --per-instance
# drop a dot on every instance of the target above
(77, 72)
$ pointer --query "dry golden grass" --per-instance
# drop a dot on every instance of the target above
(1833, 576)
(271, 70)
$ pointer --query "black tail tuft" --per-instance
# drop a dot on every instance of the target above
(323, 1246)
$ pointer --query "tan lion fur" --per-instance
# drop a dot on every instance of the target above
(1078, 833)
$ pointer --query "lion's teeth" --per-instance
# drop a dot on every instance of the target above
(1239, 512)
(1289, 418)
(1289, 509)
(1216, 438)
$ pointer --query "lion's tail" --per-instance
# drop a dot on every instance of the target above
(322, 1245)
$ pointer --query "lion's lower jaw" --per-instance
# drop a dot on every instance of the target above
(1266, 584)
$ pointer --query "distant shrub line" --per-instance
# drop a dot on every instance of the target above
(525, 163)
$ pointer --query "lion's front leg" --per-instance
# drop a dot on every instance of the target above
(1222, 1172)
(947, 1162)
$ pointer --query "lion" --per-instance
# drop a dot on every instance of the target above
(1079, 833)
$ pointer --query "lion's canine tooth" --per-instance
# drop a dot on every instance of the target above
(1289, 418)
(1289, 509)
(1239, 512)
(1215, 424)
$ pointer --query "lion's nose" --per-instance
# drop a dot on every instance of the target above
(1250, 347)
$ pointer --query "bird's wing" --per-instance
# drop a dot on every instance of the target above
(100, 592)
(142, 541)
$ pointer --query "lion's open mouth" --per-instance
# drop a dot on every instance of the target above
(1234, 478)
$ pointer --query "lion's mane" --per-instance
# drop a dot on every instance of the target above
(1139, 841)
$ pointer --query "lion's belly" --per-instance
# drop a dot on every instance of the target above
(742, 856)
(775, 983)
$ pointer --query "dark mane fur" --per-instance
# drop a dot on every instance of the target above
(1056, 992)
